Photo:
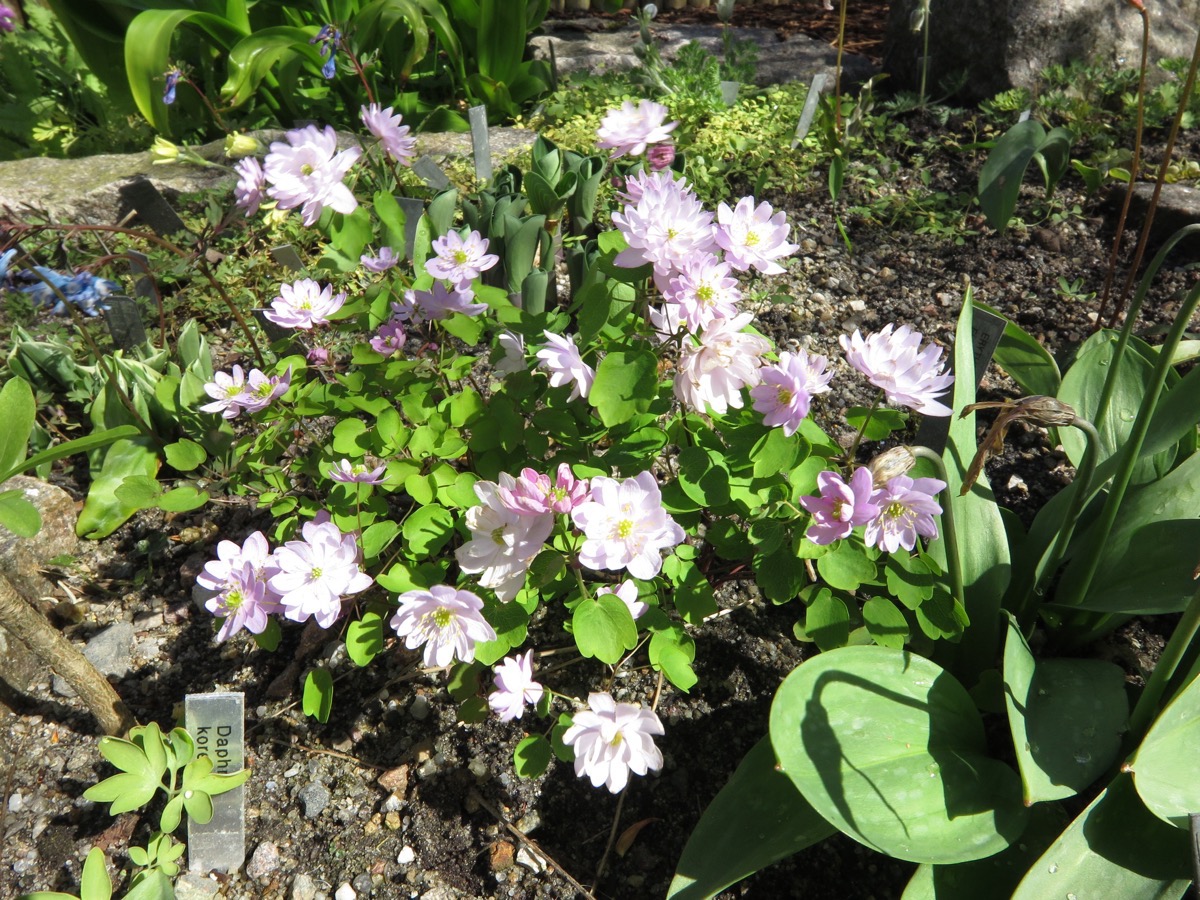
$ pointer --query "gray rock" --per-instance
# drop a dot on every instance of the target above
(110, 651)
(582, 46)
(264, 862)
(314, 797)
(303, 887)
(1007, 43)
(194, 886)
(1178, 206)
(20, 558)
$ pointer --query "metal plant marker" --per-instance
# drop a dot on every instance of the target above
(287, 257)
(153, 208)
(413, 209)
(431, 173)
(987, 329)
(217, 723)
(124, 322)
(273, 332)
(729, 92)
(481, 145)
(810, 108)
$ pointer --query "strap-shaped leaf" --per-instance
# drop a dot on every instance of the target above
(18, 515)
(18, 411)
(252, 58)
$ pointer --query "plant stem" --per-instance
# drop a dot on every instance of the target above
(850, 454)
(1148, 704)
(837, 73)
(949, 534)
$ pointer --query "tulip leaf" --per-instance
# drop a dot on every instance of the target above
(18, 411)
(104, 511)
(1164, 765)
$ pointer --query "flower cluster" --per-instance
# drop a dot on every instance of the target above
(894, 514)
(300, 580)
(236, 392)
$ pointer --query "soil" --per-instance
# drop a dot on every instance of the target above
(451, 819)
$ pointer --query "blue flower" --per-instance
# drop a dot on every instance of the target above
(329, 38)
(83, 290)
(172, 76)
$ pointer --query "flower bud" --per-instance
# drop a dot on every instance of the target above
(163, 151)
(890, 463)
(724, 10)
(238, 146)
(1045, 411)
(318, 356)
(660, 156)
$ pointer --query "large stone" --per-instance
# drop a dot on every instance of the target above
(591, 46)
(1178, 207)
(22, 558)
(1008, 43)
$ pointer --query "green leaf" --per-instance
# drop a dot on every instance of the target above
(758, 818)
(104, 512)
(138, 491)
(18, 515)
(128, 756)
(172, 815)
(885, 623)
(882, 422)
(1066, 715)
(1164, 765)
(184, 455)
(693, 595)
(672, 652)
(780, 574)
(364, 638)
(251, 59)
(184, 498)
(124, 792)
(626, 383)
(18, 412)
(199, 806)
(890, 748)
(70, 448)
(773, 453)
(704, 476)
(318, 694)
(1115, 848)
(531, 757)
(428, 530)
(846, 566)
(94, 884)
(510, 622)
(604, 628)
(1001, 176)
(828, 620)
(909, 579)
(377, 537)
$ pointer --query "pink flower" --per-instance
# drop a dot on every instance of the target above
(896, 364)
(612, 739)
(262, 389)
(634, 186)
(458, 260)
(307, 172)
(8, 18)
(228, 393)
(318, 356)
(515, 687)
(391, 133)
(230, 558)
(752, 237)
(304, 304)
(628, 130)
(441, 302)
(314, 574)
(238, 579)
(251, 189)
(906, 509)
(503, 542)
(625, 526)
(841, 506)
(386, 259)
(660, 156)
(513, 359)
(787, 387)
(448, 622)
(627, 593)
(666, 226)
(713, 371)
(561, 358)
(356, 473)
(534, 494)
(390, 339)
(703, 290)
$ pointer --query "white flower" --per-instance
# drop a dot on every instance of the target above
(628, 130)
(460, 260)
(307, 172)
(714, 371)
(513, 359)
(394, 136)
(315, 573)
(228, 392)
(561, 357)
(896, 364)
(515, 687)
(503, 542)
(449, 622)
(304, 304)
(612, 739)
(752, 237)
(627, 593)
(626, 526)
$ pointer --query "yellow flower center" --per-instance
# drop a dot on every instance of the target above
(624, 528)
(895, 510)
(751, 238)
(442, 618)
(616, 741)
(460, 257)
(784, 396)
(705, 294)
(306, 169)
(316, 572)
(498, 535)
(234, 599)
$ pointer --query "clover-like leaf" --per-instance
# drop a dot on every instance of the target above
(172, 814)
(124, 792)
(199, 806)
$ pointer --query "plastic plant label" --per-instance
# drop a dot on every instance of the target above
(287, 257)
(810, 108)
(124, 322)
(480, 142)
(217, 723)
(431, 173)
(729, 92)
(152, 208)
(413, 209)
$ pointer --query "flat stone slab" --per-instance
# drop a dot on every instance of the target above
(1178, 206)
(592, 46)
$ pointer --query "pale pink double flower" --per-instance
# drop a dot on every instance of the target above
(625, 526)
(628, 130)
(304, 304)
(610, 740)
(307, 172)
(714, 368)
(445, 621)
(895, 362)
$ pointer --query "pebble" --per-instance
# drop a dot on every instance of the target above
(501, 856)
(529, 822)
(406, 856)
(395, 780)
(303, 888)
(264, 862)
(362, 883)
(110, 651)
(478, 768)
(530, 860)
(344, 892)
(194, 886)
(419, 708)
(314, 797)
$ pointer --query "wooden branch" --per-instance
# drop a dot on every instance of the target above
(48, 645)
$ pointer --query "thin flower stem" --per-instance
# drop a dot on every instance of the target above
(212, 109)
(1148, 704)
(850, 454)
(837, 76)
(949, 533)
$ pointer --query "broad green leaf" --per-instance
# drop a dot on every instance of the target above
(138, 491)
(672, 652)
(154, 885)
(172, 815)
(377, 537)
(828, 620)
(773, 453)
(252, 58)
(1026, 361)
(184, 455)
(124, 792)
(889, 748)
(364, 638)
(1164, 766)
(691, 592)
(318, 694)
(758, 818)
(18, 412)
(626, 383)
(182, 499)
(104, 512)
(427, 530)
(881, 422)
(1140, 571)
(1066, 716)
(199, 806)
(1115, 848)
(982, 540)
(94, 884)
(128, 756)
(885, 622)
(70, 448)
(846, 566)
(604, 628)
(532, 756)
(18, 515)
(510, 621)
(1001, 176)
(704, 476)
(780, 574)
